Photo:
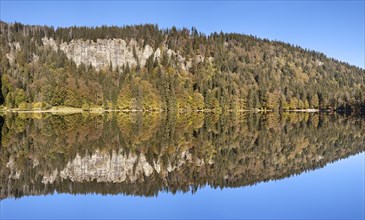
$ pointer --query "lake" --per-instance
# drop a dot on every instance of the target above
(159, 165)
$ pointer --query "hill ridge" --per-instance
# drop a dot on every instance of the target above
(146, 68)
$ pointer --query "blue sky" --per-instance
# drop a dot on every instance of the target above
(335, 28)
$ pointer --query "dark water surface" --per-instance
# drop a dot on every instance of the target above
(295, 165)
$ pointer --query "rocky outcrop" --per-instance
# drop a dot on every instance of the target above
(103, 52)
(116, 52)
(13, 48)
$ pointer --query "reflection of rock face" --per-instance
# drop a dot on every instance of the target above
(147, 155)
(104, 167)
(114, 167)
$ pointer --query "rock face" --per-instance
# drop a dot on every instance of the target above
(117, 52)
(13, 48)
(103, 52)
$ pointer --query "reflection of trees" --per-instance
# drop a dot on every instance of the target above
(142, 154)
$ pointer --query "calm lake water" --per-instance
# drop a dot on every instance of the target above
(117, 165)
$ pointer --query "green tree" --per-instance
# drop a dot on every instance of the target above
(19, 96)
(314, 102)
(197, 101)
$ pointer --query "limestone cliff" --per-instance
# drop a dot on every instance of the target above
(103, 52)
(117, 52)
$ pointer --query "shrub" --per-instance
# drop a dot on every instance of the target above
(85, 107)
(23, 106)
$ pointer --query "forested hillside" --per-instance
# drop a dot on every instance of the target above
(146, 68)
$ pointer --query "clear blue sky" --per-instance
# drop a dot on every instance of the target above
(335, 28)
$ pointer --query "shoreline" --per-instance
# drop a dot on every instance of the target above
(70, 110)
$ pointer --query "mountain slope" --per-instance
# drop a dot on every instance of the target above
(144, 67)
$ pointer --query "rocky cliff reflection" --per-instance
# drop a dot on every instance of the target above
(143, 154)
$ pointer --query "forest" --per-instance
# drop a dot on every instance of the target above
(144, 154)
(192, 72)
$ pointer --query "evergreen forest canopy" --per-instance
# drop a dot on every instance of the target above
(143, 154)
(184, 70)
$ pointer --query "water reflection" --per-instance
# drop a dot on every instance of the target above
(143, 154)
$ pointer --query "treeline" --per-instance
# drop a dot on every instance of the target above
(226, 72)
(148, 153)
